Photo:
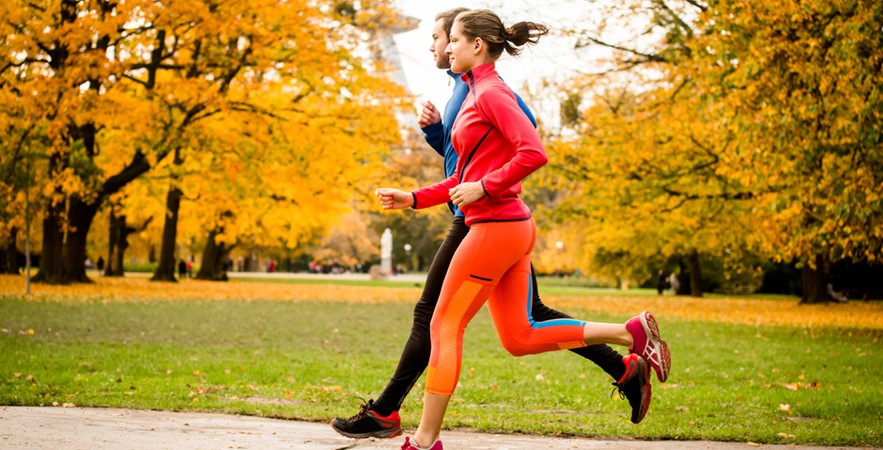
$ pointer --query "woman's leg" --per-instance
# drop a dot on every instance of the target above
(510, 308)
(602, 355)
(486, 253)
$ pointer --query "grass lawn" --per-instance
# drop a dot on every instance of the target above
(740, 372)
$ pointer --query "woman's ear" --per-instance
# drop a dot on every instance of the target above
(477, 45)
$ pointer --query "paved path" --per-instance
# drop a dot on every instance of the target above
(121, 429)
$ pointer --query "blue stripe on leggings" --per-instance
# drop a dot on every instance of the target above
(545, 323)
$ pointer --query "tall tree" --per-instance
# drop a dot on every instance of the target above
(126, 81)
(803, 88)
(756, 132)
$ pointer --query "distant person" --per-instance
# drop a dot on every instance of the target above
(182, 269)
(834, 295)
(99, 264)
(674, 283)
(190, 267)
(661, 282)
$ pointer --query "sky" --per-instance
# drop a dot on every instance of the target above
(553, 57)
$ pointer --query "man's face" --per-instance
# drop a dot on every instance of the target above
(439, 42)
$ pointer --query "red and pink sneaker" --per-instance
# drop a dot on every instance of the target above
(635, 385)
(368, 423)
(648, 344)
(411, 444)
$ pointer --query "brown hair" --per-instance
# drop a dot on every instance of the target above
(449, 17)
(485, 24)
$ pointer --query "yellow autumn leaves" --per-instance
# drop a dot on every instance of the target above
(752, 129)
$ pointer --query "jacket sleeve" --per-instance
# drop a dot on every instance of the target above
(502, 110)
(436, 194)
(435, 137)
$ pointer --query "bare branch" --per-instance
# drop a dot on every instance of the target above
(702, 7)
(646, 57)
(677, 20)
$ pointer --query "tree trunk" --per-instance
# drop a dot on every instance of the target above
(814, 282)
(165, 271)
(81, 216)
(695, 275)
(114, 247)
(9, 262)
(683, 276)
(64, 256)
(213, 259)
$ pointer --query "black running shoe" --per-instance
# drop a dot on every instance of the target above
(368, 423)
(635, 385)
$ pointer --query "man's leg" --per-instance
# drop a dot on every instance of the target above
(380, 418)
(635, 387)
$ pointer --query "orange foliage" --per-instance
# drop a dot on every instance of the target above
(744, 311)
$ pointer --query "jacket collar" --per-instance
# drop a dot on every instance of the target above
(478, 73)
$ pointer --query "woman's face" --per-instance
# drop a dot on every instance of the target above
(461, 51)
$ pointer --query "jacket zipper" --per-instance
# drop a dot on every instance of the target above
(472, 153)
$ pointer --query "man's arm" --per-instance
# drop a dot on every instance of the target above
(433, 130)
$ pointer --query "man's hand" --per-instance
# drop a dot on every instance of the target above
(466, 193)
(394, 198)
(429, 115)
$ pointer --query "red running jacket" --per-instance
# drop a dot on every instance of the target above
(496, 144)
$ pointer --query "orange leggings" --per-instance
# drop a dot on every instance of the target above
(492, 264)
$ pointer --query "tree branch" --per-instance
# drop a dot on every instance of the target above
(702, 7)
(646, 57)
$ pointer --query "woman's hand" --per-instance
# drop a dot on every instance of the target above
(394, 198)
(466, 193)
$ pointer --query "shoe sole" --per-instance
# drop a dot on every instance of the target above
(656, 351)
(385, 434)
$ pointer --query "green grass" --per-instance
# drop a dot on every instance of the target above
(312, 361)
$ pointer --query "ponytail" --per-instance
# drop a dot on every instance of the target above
(523, 33)
(485, 24)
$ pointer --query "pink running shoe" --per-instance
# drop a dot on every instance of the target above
(411, 444)
(648, 344)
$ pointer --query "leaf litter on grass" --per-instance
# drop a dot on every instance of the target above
(736, 310)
